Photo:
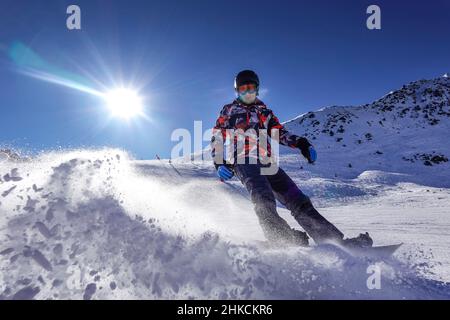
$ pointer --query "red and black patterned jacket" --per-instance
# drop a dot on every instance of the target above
(237, 115)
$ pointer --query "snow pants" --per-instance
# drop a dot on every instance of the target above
(266, 189)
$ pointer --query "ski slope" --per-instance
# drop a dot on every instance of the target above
(95, 224)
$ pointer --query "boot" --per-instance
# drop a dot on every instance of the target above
(361, 241)
(291, 237)
(300, 238)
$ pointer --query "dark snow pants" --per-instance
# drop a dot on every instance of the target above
(265, 189)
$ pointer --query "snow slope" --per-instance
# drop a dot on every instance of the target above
(96, 224)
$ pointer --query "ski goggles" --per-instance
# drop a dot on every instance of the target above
(247, 88)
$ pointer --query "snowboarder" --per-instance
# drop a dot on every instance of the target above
(248, 112)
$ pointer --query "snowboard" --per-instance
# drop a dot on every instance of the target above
(381, 252)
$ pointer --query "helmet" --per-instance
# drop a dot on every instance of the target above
(246, 77)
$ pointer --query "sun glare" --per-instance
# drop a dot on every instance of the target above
(124, 103)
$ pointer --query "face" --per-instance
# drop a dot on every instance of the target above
(248, 93)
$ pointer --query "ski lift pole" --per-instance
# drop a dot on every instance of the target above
(173, 167)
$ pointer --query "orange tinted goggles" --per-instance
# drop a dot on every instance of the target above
(250, 87)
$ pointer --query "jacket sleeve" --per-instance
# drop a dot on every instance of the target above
(286, 138)
(218, 139)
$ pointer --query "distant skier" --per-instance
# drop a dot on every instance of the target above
(248, 112)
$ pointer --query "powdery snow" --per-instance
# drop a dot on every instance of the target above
(96, 224)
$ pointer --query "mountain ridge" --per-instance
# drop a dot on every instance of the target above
(404, 131)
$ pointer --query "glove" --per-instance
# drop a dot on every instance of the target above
(307, 149)
(224, 173)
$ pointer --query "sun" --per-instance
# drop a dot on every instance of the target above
(124, 103)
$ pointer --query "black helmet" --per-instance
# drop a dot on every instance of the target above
(246, 77)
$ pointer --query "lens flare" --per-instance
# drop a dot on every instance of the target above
(123, 102)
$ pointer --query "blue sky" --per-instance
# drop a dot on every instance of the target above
(183, 55)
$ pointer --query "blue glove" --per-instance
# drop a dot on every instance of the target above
(312, 154)
(225, 173)
(307, 149)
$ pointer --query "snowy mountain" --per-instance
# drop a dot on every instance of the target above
(97, 224)
(404, 132)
